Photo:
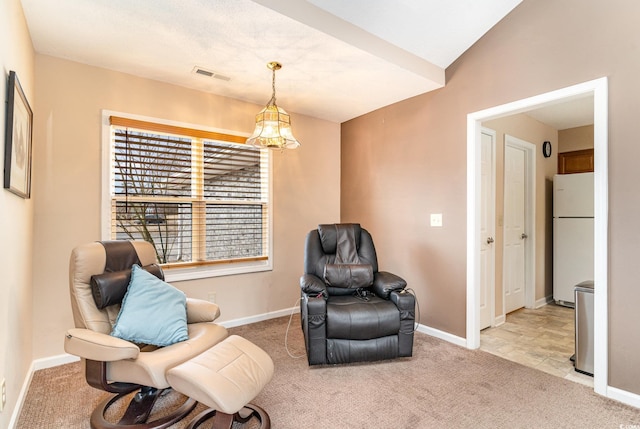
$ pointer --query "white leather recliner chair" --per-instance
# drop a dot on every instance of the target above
(99, 278)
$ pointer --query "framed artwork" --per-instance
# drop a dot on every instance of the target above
(17, 146)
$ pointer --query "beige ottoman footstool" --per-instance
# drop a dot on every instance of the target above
(225, 377)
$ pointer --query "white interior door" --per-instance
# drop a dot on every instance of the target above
(487, 228)
(515, 235)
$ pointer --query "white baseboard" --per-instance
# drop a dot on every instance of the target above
(623, 396)
(543, 301)
(453, 339)
(499, 320)
(260, 317)
(52, 361)
(21, 397)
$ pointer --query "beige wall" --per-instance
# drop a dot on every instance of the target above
(400, 164)
(578, 138)
(68, 173)
(532, 131)
(407, 160)
(16, 220)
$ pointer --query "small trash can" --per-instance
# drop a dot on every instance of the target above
(584, 327)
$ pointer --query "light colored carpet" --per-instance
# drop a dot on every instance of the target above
(441, 386)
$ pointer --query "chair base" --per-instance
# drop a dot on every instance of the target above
(225, 421)
(138, 411)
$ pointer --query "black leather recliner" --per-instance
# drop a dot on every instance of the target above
(350, 311)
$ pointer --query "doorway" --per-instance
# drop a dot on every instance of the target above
(598, 90)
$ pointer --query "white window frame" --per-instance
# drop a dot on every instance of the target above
(192, 272)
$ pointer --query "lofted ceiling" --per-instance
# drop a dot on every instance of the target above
(341, 59)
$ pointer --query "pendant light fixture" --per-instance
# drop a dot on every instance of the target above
(273, 125)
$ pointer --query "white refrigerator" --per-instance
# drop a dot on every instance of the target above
(572, 234)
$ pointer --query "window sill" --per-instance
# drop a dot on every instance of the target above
(202, 272)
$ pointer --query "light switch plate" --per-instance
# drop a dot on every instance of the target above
(436, 219)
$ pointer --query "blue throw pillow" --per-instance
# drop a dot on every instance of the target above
(153, 312)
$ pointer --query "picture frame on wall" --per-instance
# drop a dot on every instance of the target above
(18, 136)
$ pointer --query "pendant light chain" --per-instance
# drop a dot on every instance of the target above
(273, 87)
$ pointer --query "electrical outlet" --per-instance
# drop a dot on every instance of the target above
(436, 219)
(3, 387)
(211, 297)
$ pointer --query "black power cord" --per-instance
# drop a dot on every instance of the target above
(416, 322)
(363, 294)
(286, 334)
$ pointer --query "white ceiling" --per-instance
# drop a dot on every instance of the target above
(340, 59)
(571, 113)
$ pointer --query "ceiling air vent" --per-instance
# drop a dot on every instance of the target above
(208, 73)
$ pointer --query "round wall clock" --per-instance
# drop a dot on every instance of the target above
(546, 149)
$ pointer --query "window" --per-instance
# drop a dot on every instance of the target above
(200, 197)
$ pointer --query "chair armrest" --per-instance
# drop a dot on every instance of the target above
(199, 310)
(406, 304)
(97, 346)
(313, 285)
(314, 315)
(384, 283)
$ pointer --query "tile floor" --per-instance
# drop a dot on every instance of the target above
(542, 338)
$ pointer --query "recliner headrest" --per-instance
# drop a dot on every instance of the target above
(110, 287)
(329, 235)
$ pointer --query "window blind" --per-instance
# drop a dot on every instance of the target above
(198, 197)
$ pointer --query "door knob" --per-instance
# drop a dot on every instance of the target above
(489, 240)
(523, 236)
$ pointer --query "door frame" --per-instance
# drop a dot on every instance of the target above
(529, 220)
(598, 88)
